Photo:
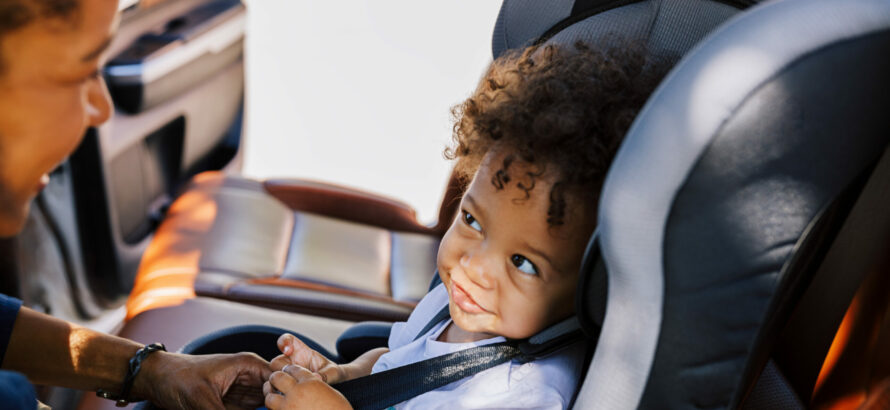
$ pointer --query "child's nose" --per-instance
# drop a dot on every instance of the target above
(476, 271)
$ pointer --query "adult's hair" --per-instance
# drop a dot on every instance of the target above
(15, 14)
(562, 109)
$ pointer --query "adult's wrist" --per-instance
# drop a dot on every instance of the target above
(125, 395)
(150, 379)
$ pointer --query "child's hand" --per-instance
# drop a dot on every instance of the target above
(294, 388)
(296, 352)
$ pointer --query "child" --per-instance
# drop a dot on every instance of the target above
(534, 143)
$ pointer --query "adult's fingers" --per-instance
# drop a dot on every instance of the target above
(244, 396)
(244, 367)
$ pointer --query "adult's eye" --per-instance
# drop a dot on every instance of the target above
(471, 221)
(523, 264)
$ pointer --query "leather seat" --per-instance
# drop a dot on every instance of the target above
(293, 245)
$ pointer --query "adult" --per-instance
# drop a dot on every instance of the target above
(51, 90)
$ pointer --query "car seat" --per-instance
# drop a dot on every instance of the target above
(316, 248)
(742, 211)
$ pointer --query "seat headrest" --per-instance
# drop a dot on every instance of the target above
(668, 27)
(738, 151)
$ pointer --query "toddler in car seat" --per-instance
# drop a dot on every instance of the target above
(533, 144)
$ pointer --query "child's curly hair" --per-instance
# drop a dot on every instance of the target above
(566, 107)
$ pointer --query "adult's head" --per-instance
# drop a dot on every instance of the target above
(51, 90)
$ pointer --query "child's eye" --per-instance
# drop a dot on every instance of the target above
(523, 264)
(471, 221)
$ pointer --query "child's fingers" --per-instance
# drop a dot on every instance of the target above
(330, 374)
(299, 374)
(279, 362)
(288, 344)
(285, 343)
(282, 381)
(275, 401)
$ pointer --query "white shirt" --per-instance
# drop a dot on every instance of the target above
(547, 383)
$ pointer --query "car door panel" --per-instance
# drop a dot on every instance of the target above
(176, 76)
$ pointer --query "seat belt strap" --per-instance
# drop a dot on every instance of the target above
(443, 314)
(393, 386)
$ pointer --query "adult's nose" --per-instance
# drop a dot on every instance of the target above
(98, 102)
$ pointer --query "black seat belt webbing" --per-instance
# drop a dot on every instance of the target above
(393, 386)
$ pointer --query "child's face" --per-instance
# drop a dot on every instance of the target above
(507, 271)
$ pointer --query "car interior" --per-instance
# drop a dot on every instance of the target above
(740, 258)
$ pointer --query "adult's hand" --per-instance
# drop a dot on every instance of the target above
(295, 388)
(219, 381)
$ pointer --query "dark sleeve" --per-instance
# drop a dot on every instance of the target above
(16, 392)
(9, 309)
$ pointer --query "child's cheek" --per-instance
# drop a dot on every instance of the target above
(446, 257)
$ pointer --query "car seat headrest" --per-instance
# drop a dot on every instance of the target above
(668, 27)
(734, 156)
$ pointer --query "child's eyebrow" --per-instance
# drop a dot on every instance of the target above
(539, 254)
(478, 212)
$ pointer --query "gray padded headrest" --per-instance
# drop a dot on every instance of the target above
(669, 27)
(753, 133)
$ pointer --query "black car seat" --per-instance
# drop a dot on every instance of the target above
(316, 248)
(742, 212)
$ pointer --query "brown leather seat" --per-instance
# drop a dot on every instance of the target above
(293, 245)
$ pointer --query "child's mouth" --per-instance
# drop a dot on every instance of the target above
(464, 301)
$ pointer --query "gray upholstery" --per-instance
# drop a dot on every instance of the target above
(668, 27)
(733, 157)
(521, 22)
